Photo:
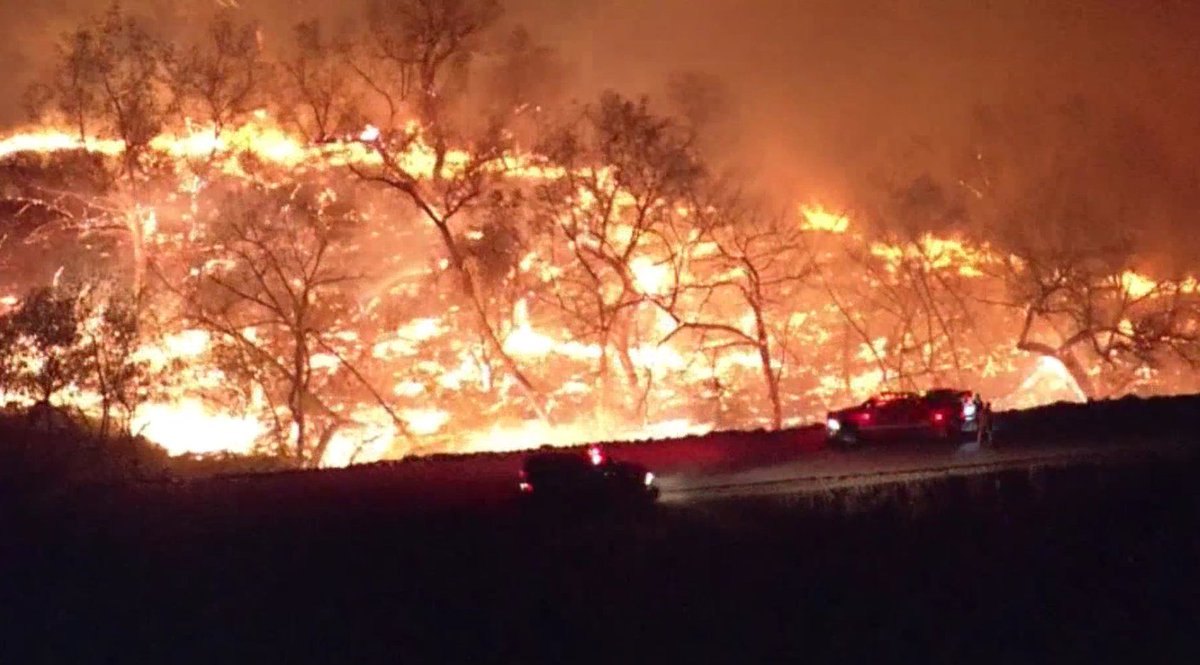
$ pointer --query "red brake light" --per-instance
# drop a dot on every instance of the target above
(596, 455)
(938, 416)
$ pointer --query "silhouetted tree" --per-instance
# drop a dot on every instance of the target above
(46, 326)
(413, 68)
(613, 213)
(109, 343)
(275, 290)
(221, 78)
(742, 288)
(1057, 191)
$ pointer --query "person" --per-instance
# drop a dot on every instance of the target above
(985, 427)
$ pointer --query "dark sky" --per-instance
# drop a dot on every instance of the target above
(821, 86)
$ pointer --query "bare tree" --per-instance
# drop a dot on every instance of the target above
(109, 83)
(222, 78)
(613, 215)
(110, 339)
(745, 275)
(275, 291)
(906, 287)
(1101, 321)
(412, 68)
(320, 94)
(1056, 191)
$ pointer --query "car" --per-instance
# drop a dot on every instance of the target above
(570, 477)
(942, 413)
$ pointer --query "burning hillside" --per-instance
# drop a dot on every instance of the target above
(337, 254)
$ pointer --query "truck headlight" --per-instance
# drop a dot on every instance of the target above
(833, 425)
(649, 479)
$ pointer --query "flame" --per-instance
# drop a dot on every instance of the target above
(188, 426)
(1050, 381)
(51, 140)
(425, 421)
(526, 341)
(187, 423)
(936, 253)
(1136, 285)
(817, 218)
(651, 277)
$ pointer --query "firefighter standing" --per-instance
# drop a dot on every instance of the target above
(985, 426)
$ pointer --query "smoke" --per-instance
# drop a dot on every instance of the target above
(818, 92)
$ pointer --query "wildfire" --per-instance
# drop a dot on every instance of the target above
(190, 423)
(936, 253)
(529, 434)
(51, 140)
(1050, 381)
(817, 218)
(189, 426)
(1137, 286)
(651, 277)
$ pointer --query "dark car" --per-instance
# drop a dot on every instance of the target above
(591, 477)
(943, 414)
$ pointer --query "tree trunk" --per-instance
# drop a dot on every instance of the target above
(769, 375)
(1078, 372)
(323, 443)
(298, 417)
(441, 222)
(772, 380)
(1070, 361)
(485, 326)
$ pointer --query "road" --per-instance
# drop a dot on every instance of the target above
(900, 461)
(731, 464)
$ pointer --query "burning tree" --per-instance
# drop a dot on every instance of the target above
(110, 81)
(612, 217)
(112, 337)
(221, 79)
(413, 70)
(1106, 325)
(44, 331)
(744, 273)
(273, 287)
(1056, 193)
(909, 298)
(78, 336)
(352, 244)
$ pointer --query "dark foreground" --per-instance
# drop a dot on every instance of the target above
(1095, 563)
